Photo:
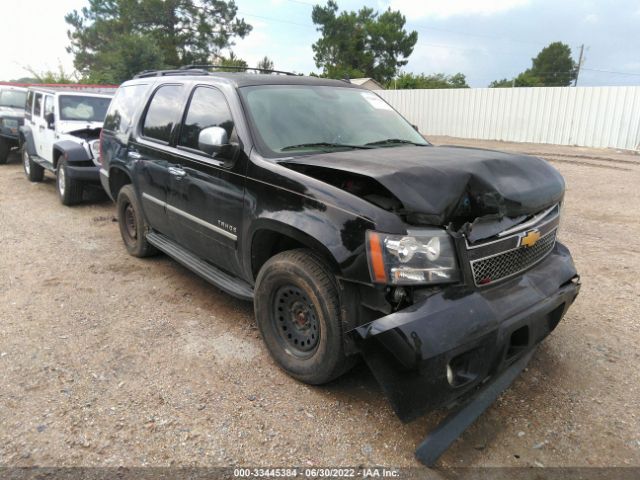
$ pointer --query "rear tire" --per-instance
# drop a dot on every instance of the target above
(33, 171)
(133, 227)
(297, 309)
(69, 190)
(4, 151)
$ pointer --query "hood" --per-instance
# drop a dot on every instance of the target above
(73, 126)
(442, 185)
(11, 112)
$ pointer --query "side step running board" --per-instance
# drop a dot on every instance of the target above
(233, 286)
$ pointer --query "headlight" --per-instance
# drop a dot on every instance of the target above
(420, 257)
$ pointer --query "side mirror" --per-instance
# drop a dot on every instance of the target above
(415, 127)
(212, 139)
(50, 119)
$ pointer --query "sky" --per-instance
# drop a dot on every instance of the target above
(484, 39)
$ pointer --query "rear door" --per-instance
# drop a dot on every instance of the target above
(38, 124)
(150, 154)
(206, 191)
(47, 135)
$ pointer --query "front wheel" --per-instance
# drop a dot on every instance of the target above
(69, 190)
(33, 171)
(133, 227)
(297, 308)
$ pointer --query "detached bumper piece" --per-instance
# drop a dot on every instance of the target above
(460, 348)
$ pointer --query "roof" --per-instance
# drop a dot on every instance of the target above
(362, 81)
(78, 89)
(248, 79)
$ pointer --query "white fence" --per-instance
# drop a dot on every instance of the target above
(584, 116)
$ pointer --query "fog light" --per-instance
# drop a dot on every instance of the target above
(449, 375)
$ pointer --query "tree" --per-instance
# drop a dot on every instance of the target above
(232, 60)
(111, 40)
(361, 44)
(552, 67)
(51, 76)
(437, 80)
(265, 64)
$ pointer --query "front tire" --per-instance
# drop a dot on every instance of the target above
(133, 227)
(33, 171)
(69, 190)
(4, 151)
(297, 308)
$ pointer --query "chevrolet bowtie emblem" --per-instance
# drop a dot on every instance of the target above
(530, 238)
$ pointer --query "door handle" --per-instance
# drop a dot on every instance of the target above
(134, 154)
(41, 128)
(177, 172)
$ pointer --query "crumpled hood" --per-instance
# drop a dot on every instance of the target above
(439, 184)
(73, 126)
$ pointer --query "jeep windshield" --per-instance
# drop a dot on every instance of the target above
(83, 108)
(303, 119)
(12, 98)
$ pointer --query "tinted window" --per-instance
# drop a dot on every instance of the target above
(29, 103)
(87, 109)
(123, 106)
(37, 105)
(165, 108)
(208, 108)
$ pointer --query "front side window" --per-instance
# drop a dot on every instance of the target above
(299, 119)
(83, 108)
(164, 110)
(37, 105)
(207, 108)
(12, 98)
(48, 104)
(29, 104)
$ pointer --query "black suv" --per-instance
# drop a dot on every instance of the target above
(352, 235)
(12, 103)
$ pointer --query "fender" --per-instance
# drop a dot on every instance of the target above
(26, 138)
(73, 151)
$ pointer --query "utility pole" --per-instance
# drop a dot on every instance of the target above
(575, 83)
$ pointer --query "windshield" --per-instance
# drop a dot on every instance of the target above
(12, 98)
(292, 119)
(88, 109)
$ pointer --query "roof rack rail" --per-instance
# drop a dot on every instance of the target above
(204, 70)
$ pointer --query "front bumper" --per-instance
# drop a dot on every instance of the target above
(84, 174)
(478, 333)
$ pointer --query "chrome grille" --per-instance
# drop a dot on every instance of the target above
(490, 269)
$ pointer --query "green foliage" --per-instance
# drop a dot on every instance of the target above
(437, 80)
(361, 44)
(266, 64)
(112, 40)
(231, 61)
(553, 67)
(50, 76)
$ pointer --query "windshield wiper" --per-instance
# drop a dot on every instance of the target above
(396, 141)
(321, 144)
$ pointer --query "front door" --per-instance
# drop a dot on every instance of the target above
(48, 134)
(150, 157)
(206, 191)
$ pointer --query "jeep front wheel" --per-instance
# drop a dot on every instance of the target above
(4, 151)
(297, 308)
(133, 227)
(33, 171)
(69, 190)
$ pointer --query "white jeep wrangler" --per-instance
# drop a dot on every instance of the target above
(61, 134)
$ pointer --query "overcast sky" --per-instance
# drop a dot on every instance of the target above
(484, 39)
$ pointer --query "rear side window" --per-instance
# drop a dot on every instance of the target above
(165, 108)
(208, 108)
(123, 107)
(37, 105)
(29, 104)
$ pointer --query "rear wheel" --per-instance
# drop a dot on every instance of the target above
(33, 171)
(4, 151)
(69, 190)
(133, 227)
(297, 308)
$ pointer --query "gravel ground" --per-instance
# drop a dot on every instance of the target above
(109, 360)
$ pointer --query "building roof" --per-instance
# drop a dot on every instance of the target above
(362, 81)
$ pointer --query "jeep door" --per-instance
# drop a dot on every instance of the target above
(150, 154)
(206, 195)
(46, 131)
(38, 124)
